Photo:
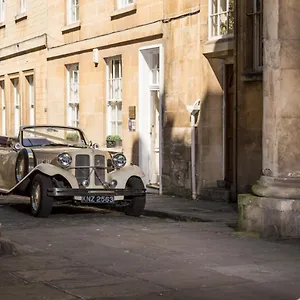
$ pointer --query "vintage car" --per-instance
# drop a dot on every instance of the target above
(57, 165)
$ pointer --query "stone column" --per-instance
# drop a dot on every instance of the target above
(281, 101)
(275, 208)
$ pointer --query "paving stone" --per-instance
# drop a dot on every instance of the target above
(103, 279)
(58, 274)
(132, 287)
(35, 262)
(35, 291)
(191, 278)
(8, 279)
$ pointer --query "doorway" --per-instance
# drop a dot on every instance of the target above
(229, 123)
(150, 102)
(154, 135)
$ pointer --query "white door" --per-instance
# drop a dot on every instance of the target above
(150, 101)
(154, 137)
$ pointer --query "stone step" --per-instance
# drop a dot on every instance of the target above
(216, 194)
(225, 184)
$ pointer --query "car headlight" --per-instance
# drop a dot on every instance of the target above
(64, 159)
(119, 160)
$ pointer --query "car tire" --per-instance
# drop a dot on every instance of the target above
(137, 205)
(40, 203)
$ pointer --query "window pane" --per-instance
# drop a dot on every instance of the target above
(114, 94)
(214, 6)
(221, 18)
(223, 6)
(223, 24)
(214, 26)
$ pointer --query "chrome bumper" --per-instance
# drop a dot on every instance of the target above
(68, 192)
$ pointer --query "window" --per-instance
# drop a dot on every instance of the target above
(3, 111)
(114, 97)
(72, 11)
(256, 27)
(2, 11)
(221, 19)
(30, 95)
(73, 95)
(23, 6)
(17, 106)
(155, 69)
(124, 3)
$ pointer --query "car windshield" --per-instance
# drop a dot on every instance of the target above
(52, 136)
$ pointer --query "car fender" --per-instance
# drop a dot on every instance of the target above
(122, 175)
(46, 169)
(51, 170)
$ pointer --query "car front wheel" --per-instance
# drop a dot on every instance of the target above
(137, 205)
(41, 204)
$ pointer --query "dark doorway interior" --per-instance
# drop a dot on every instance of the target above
(229, 132)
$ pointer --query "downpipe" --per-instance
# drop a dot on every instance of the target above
(194, 111)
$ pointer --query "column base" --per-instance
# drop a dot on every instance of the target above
(270, 187)
(270, 217)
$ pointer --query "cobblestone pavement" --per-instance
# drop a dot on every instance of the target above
(91, 254)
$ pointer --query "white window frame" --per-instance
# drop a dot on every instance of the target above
(114, 96)
(218, 15)
(2, 11)
(154, 68)
(73, 95)
(124, 3)
(17, 104)
(72, 11)
(31, 99)
(3, 110)
(257, 29)
(23, 6)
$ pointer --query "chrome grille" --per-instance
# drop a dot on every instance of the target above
(82, 160)
(99, 169)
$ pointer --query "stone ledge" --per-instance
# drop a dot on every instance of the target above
(123, 12)
(71, 27)
(26, 46)
(20, 17)
(270, 217)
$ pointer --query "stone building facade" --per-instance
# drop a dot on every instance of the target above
(172, 78)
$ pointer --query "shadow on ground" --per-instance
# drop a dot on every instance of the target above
(65, 209)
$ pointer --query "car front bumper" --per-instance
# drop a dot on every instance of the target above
(69, 192)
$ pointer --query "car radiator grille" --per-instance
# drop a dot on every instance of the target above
(82, 174)
(100, 169)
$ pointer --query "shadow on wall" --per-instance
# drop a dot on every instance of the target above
(177, 159)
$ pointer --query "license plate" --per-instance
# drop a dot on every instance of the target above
(98, 199)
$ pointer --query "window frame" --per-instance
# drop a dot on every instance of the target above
(3, 107)
(73, 99)
(218, 14)
(31, 98)
(257, 39)
(2, 11)
(23, 6)
(124, 3)
(72, 9)
(113, 97)
(16, 104)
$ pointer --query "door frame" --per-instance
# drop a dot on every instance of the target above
(225, 62)
(144, 115)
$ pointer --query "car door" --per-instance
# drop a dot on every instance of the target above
(7, 165)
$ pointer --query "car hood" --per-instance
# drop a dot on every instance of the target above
(48, 154)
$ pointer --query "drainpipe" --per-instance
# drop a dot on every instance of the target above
(194, 110)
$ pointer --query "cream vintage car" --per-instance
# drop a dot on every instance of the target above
(57, 164)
